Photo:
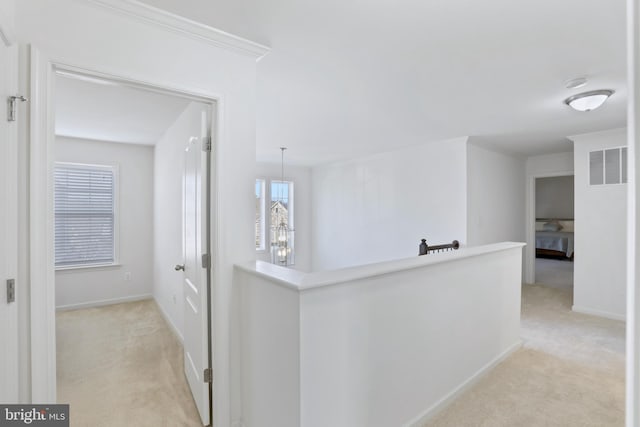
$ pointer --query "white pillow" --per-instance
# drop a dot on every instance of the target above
(552, 226)
(567, 226)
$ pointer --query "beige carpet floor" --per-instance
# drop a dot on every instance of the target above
(569, 372)
(121, 365)
(555, 273)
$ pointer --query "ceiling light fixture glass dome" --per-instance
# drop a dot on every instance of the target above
(588, 101)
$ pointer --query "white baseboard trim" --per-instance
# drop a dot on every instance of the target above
(169, 321)
(453, 395)
(100, 303)
(599, 313)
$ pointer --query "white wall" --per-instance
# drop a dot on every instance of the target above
(92, 37)
(495, 197)
(601, 233)
(554, 197)
(378, 207)
(270, 353)
(367, 346)
(537, 166)
(550, 164)
(7, 20)
(100, 285)
(301, 177)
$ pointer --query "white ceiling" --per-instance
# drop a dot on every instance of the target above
(95, 109)
(350, 77)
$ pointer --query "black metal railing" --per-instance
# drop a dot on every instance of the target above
(426, 249)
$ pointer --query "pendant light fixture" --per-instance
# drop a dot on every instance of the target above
(281, 234)
(588, 101)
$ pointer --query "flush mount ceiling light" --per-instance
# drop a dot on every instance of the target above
(588, 101)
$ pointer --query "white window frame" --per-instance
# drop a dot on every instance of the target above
(292, 202)
(266, 222)
(290, 211)
(116, 215)
(263, 215)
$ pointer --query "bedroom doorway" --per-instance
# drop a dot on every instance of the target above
(554, 231)
(131, 212)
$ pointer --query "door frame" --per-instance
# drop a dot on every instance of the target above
(11, 352)
(530, 248)
(633, 218)
(41, 225)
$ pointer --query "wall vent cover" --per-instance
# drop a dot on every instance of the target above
(608, 166)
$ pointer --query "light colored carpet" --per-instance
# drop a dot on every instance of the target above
(570, 372)
(121, 365)
(554, 273)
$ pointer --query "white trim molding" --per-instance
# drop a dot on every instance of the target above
(188, 27)
(633, 220)
(9, 160)
(599, 313)
(41, 215)
(41, 244)
(167, 319)
(101, 303)
(443, 403)
(530, 215)
(7, 22)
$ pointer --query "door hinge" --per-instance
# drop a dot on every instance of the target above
(207, 144)
(206, 261)
(11, 106)
(208, 375)
(11, 290)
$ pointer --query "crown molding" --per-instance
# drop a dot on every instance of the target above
(155, 16)
(6, 35)
(7, 24)
(600, 133)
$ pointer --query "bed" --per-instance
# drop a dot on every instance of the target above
(554, 238)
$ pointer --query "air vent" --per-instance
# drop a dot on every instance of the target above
(608, 166)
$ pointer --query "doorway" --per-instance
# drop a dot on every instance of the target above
(131, 221)
(554, 232)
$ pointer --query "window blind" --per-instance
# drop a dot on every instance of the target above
(84, 215)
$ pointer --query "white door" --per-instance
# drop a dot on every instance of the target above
(196, 244)
(8, 225)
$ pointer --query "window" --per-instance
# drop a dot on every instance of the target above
(260, 220)
(85, 220)
(282, 210)
(279, 194)
(608, 166)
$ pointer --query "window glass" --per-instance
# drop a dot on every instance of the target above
(259, 226)
(84, 215)
(281, 207)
